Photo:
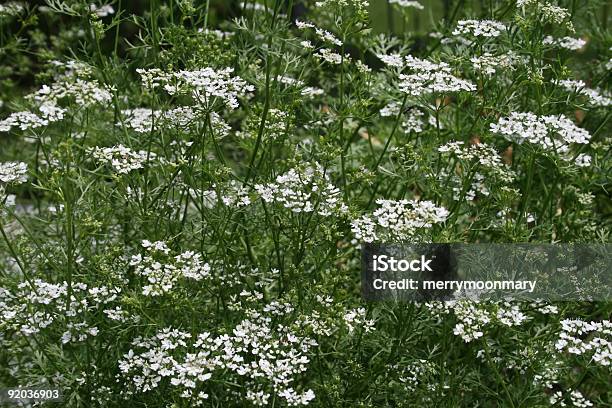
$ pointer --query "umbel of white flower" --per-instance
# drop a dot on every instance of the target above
(144, 120)
(591, 338)
(255, 350)
(552, 132)
(568, 43)
(428, 77)
(68, 86)
(304, 190)
(122, 159)
(163, 272)
(397, 220)
(595, 97)
(204, 85)
(407, 3)
(13, 173)
(479, 28)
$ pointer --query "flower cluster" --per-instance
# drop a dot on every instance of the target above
(205, 85)
(27, 120)
(397, 220)
(568, 43)
(122, 159)
(587, 338)
(357, 318)
(69, 87)
(277, 125)
(144, 120)
(551, 132)
(407, 3)
(304, 190)
(594, 96)
(547, 12)
(324, 35)
(473, 317)
(38, 304)
(429, 77)
(11, 8)
(478, 163)
(13, 172)
(162, 272)
(576, 399)
(489, 64)
(102, 11)
(78, 332)
(329, 56)
(472, 320)
(413, 122)
(483, 154)
(266, 355)
(415, 374)
(85, 93)
(234, 195)
(479, 28)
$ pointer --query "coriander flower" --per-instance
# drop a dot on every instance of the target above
(397, 220)
(11, 9)
(551, 132)
(407, 3)
(304, 190)
(429, 77)
(122, 159)
(488, 63)
(568, 43)
(329, 56)
(13, 173)
(479, 28)
(595, 97)
(102, 11)
(205, 85)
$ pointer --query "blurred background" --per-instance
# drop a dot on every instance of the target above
(40, 33)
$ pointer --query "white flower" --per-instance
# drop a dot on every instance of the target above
(13, 172)
(329, 56)
(102, 11)
(397, 220)
(304, 190)
(551, 132)
(489, 63)
(565, 42)
(162, 272)
(407, 3)
(595, 97)
(393, 60)
(204, 85)
(307, 45)
(122, 159)
(390, 109)
(11, 8)
(591, 338)
(511, 316)
(479, 28)
(583, 160)
(429, 77)
(413, 123)
(303, 24)
(357, 318)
